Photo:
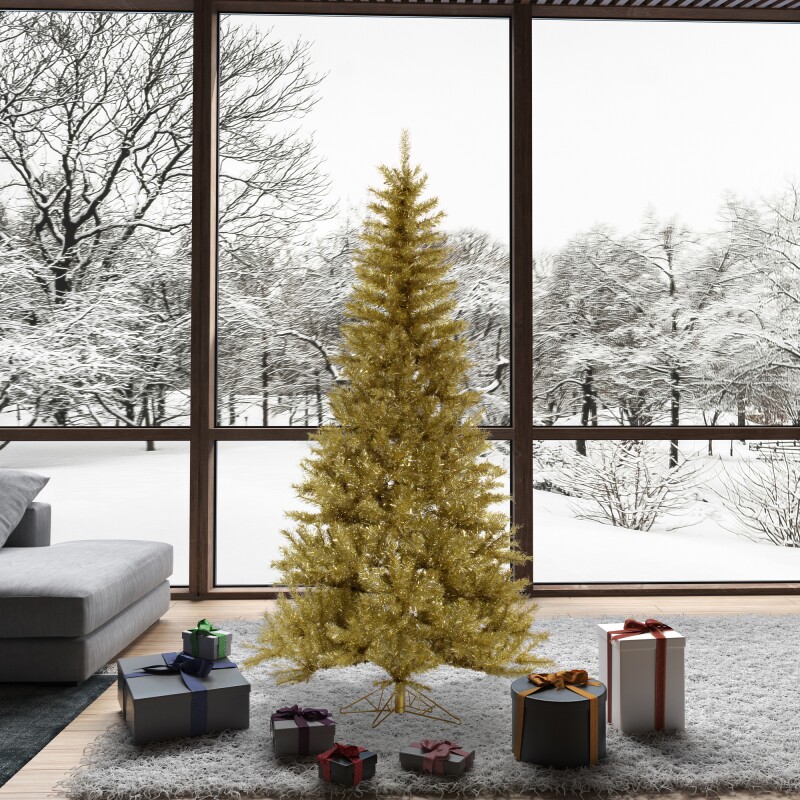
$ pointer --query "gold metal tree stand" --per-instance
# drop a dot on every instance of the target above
(398, 698)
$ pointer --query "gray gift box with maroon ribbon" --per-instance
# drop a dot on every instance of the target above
(300, 731)
(444, 758)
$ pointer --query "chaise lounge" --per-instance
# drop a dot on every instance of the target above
(68, 609)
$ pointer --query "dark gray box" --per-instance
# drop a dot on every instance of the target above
(158, 707)
(343, 770)
(286, 737)
(455, 765)
(556, 725)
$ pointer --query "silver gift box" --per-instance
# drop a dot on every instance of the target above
(207, 646)
(158, 707)
(286, 737)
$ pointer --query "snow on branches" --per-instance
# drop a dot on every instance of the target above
(764, 496)
(624, 483)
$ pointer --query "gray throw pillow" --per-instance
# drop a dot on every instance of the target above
(18, 489)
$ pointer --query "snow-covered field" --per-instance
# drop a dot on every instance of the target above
(254, 491)
(705, 542)
(117, 491)
(113, 490)
(569, 550)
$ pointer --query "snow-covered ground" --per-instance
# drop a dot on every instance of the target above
(117, 490)
(113, 490)
(703, 543)
(254, 491)
(569, 550)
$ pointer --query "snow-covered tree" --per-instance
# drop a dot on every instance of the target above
(627, 483)
(764, 496)
(95, 150)
(623, 322)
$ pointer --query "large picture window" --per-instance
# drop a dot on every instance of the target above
(310, 106)
(181, 196)
(95, 165)
(665, 258)
(665, 255)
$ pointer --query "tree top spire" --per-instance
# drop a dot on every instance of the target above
(405, 148)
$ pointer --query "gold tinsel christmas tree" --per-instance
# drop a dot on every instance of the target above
(401, 561)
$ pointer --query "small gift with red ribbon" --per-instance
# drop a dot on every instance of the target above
(347, 764)
(642, 664)
(298, 731)
(437, 757)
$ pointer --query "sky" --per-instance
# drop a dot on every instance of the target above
(445, 80)
(628, 115)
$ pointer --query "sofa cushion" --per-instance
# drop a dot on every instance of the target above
(73, 588)
(18, 488)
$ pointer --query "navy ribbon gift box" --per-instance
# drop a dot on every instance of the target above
(173, 695)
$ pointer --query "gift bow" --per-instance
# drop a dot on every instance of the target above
(301, 717)
(436, 752)
(633, 628)
(571, 679)
(560, 680)
(349, 751)
(186, 665)
(206, 628)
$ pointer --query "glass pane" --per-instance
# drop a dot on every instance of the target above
(299, 148)
(113, 490)
(95, 193)
(254, 491)
(730, 511)
(652, 223)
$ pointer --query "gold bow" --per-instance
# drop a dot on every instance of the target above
(571, 679)
(560, 680)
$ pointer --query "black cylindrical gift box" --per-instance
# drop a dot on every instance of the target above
(556, 732)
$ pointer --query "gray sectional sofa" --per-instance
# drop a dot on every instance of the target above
(68, 609)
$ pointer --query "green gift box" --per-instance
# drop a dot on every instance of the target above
(206, 641)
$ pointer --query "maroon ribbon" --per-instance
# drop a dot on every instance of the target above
(301, 717)
(436, 752)
(633, 628)
(349, 751)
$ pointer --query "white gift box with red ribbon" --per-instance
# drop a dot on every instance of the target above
(643, 670)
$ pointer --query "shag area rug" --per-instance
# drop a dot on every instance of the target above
(742, 711)
(32, 714)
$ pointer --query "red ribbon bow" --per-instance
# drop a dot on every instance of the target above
(436, 752)
(350, 752)
(633, 628)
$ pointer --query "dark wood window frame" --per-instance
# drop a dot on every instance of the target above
(203, 432)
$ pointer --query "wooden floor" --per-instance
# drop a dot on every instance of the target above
(39, 777)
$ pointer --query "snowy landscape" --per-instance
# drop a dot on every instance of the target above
(664, 288)
(701, 535)
(118, 490)
(113, 490)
